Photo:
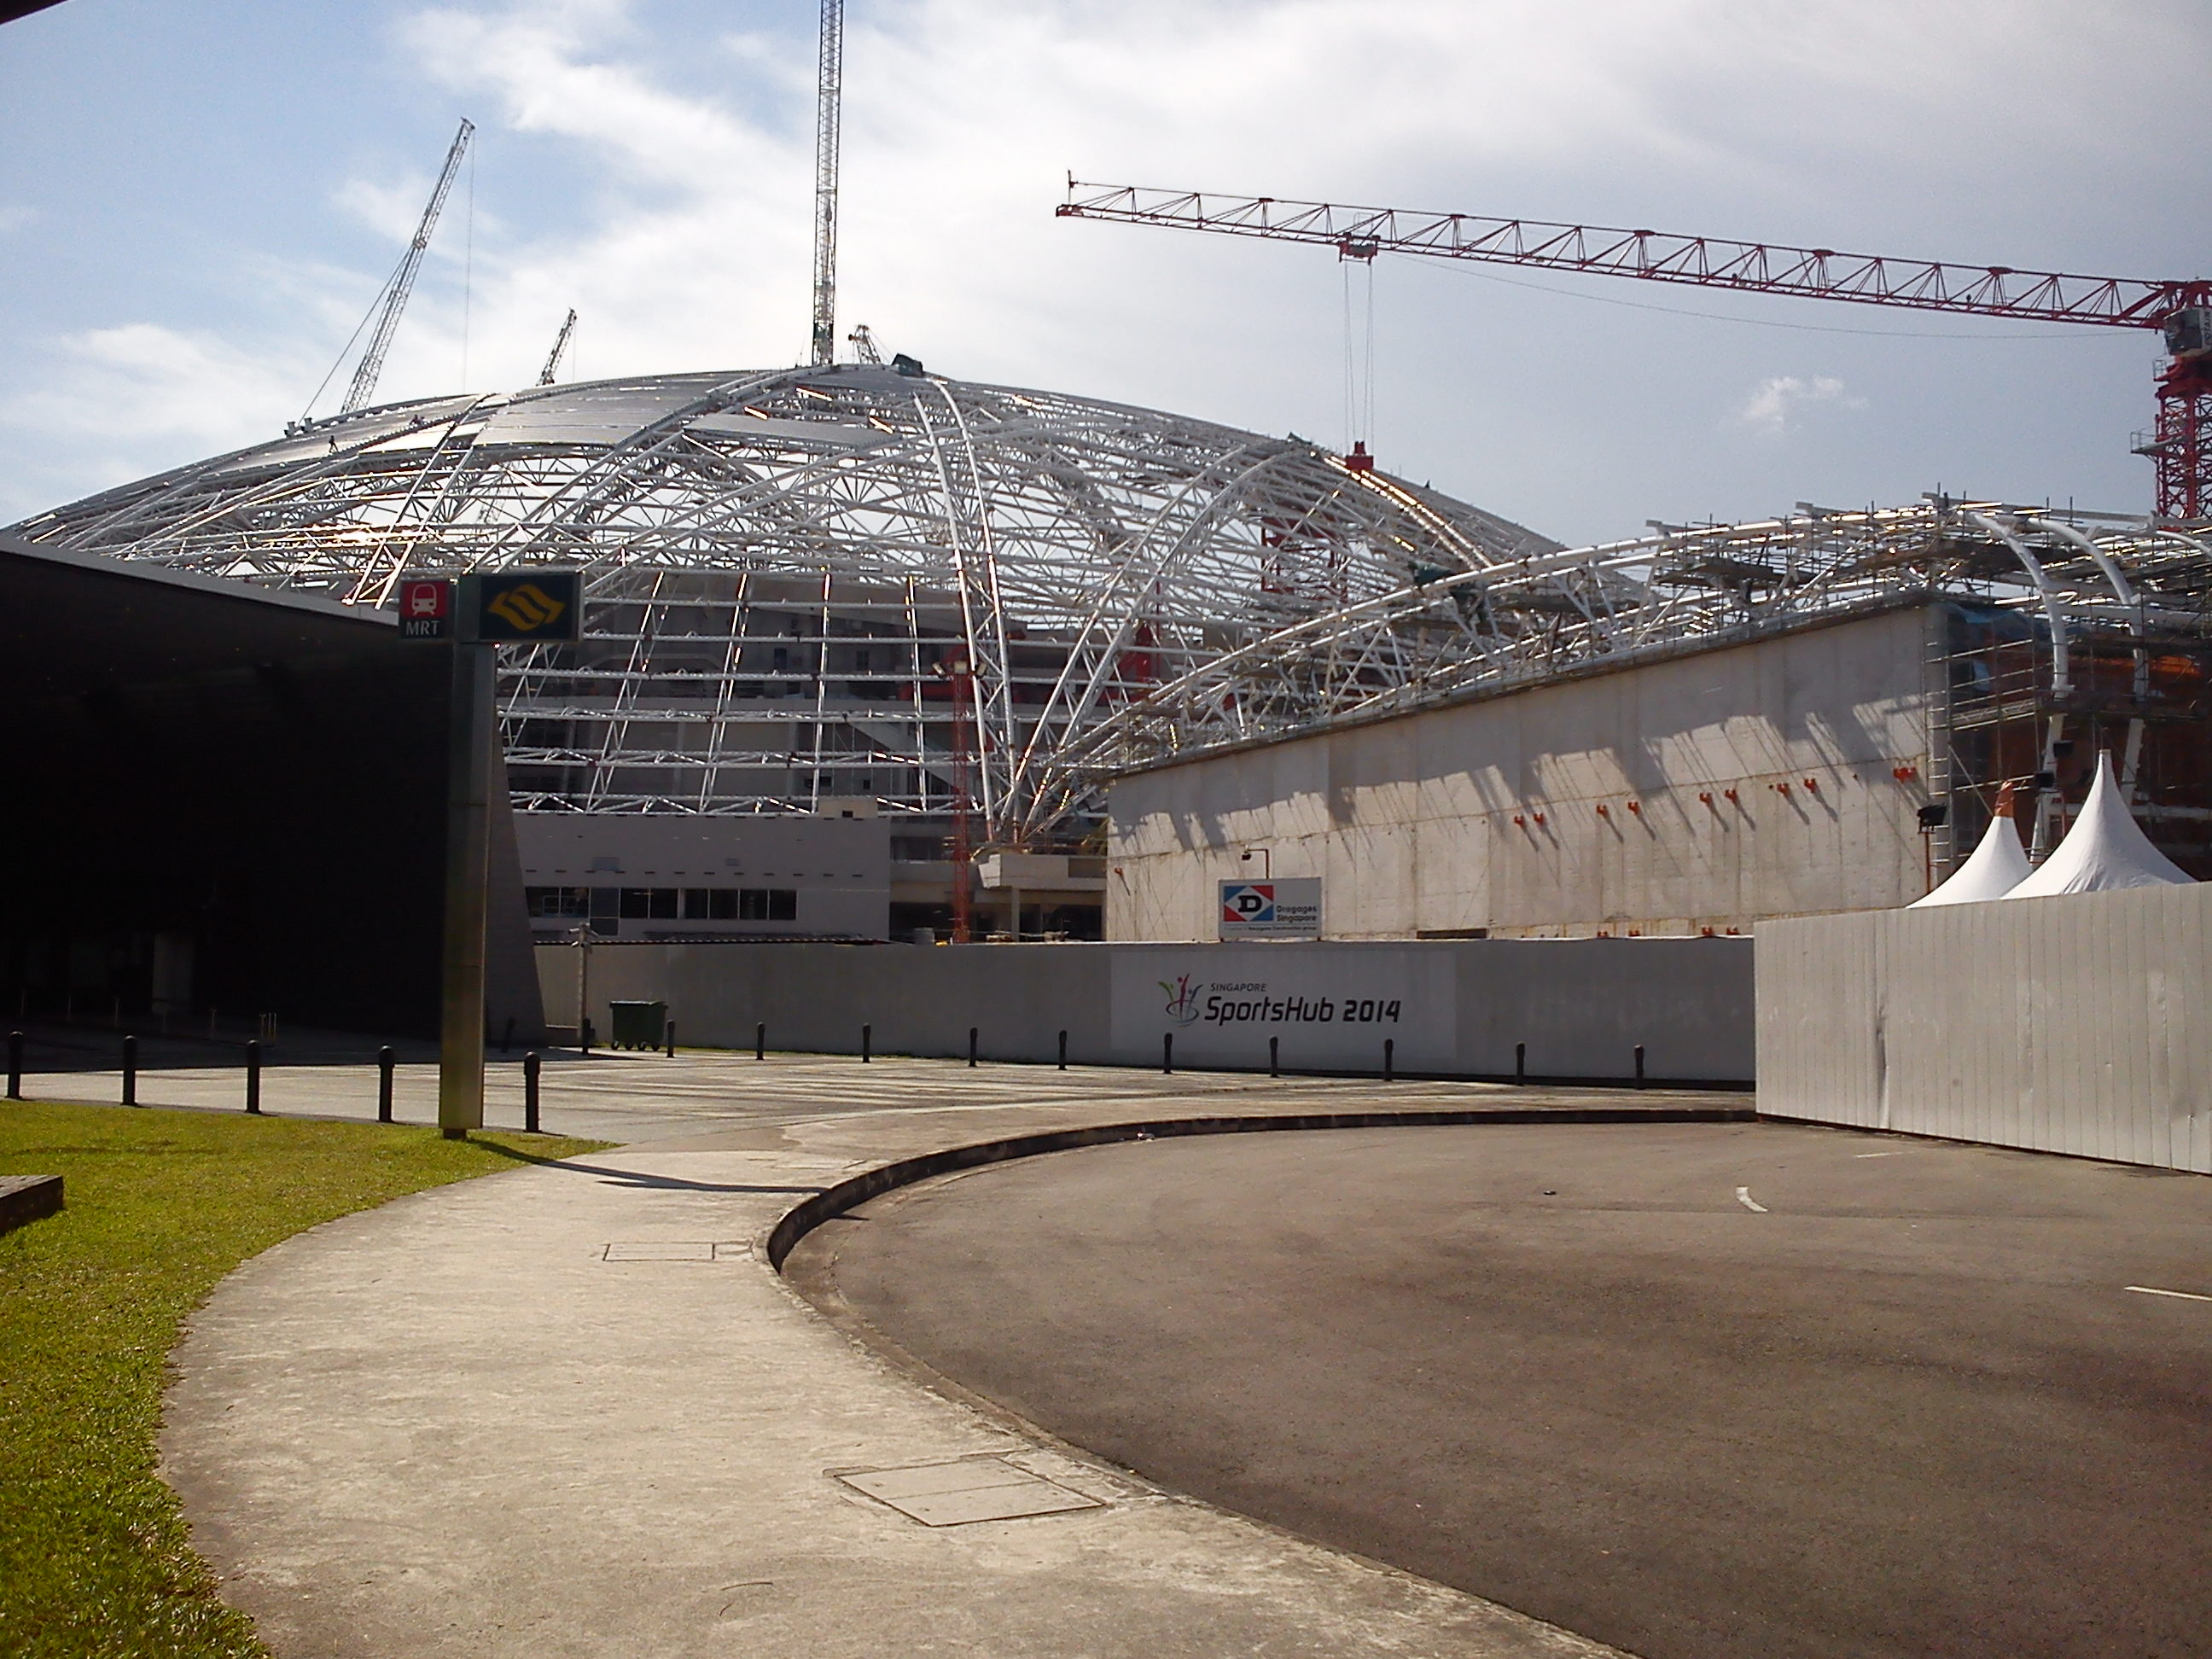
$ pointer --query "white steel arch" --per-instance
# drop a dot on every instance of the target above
(776, 560)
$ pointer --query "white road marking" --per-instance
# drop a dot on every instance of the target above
(1877, 1154)
(2152, 1290)
(1743, 1197)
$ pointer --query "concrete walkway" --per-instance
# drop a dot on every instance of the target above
(570, 1410)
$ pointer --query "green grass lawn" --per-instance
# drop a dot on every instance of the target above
(94, 1558)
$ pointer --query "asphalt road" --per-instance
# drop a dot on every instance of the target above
(1907, 1407)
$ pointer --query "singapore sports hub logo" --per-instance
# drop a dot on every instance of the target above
(1183, 999)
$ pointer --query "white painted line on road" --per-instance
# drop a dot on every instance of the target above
(2152, 1290)
(1877, 1154)
(1743, 1197)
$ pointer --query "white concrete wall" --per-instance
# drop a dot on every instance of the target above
(2076, 1024)
(1430, 821)
(1582, 1007)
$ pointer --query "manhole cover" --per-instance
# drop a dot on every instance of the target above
(674, 1250)
(968, 1489)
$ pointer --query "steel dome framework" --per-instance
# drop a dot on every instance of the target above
(777, 562)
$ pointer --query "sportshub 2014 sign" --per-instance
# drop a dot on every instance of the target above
(1270, 909)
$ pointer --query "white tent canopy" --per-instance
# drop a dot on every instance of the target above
(2105, 848)
(1997, 866)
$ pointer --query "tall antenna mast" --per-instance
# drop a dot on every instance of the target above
(831, 74)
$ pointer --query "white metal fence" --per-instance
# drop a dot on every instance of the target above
(2077, 1024)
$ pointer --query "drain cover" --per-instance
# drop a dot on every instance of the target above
(968, 1489)
(674, 1250)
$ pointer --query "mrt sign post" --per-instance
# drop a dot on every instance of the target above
(478, 613)
(1269, 909)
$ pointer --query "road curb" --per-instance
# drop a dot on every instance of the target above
(834, 1201)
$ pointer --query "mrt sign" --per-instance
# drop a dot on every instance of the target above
(1270, 909)
(522, 607)
(426, 608)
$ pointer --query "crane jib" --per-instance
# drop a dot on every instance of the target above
(1658, 256)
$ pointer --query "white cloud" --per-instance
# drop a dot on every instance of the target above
(1777, 402)
(14, 216)
(679, 226)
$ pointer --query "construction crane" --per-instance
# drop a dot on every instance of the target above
(961, 674)
(829, 76)
(864, 345)
(393, 300)
(560, 344)
(2180, 448)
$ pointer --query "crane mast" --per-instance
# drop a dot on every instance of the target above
(560, 344)
(828, 76)
(365, 374)
(2181, 310)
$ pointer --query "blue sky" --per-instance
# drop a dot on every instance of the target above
(197, 201)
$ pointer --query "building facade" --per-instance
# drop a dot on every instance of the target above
(1694, 794)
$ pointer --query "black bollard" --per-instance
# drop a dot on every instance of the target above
(1167, 1051)
(253, 1076)
(130, 1071)
(668, 1032)
(1639, 1066)
(1520, 1062)
(972, 1048)
(760, 1040)
(867, 1036)
(529, 1064)
(14, 1065)
(1389, 1059)
(585, 1034)
(385, 1062)
(1274, 1056)
(1063, 1051)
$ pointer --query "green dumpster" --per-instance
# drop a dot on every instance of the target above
(638, 1024)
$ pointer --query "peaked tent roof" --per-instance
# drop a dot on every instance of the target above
(2105, 848)
(1997, 866)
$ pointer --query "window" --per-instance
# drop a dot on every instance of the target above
(767, 904)
(664, 903)
(695, 903)
(722, 904)
(917, 849)
(636, 903)
(557, 901)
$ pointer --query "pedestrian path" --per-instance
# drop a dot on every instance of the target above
(570, 1410)
(649, 1097)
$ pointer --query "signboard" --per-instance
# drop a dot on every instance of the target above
(1269, 909)
(1326, 1009)
(522, 607)
(426, 608)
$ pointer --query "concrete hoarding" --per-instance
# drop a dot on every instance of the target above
(1453, 1008)
(2079, 1024)
(1327, 1010)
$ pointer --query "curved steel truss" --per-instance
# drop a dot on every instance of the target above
(777, 562)
(1525, 620)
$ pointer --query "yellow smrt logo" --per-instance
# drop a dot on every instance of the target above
(528, 607)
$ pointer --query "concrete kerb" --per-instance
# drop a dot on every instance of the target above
(850, 1195)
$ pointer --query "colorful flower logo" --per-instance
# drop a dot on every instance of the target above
(1183, 999)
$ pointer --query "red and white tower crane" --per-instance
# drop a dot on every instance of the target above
(2180, 448)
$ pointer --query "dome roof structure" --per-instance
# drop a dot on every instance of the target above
(781, 565)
